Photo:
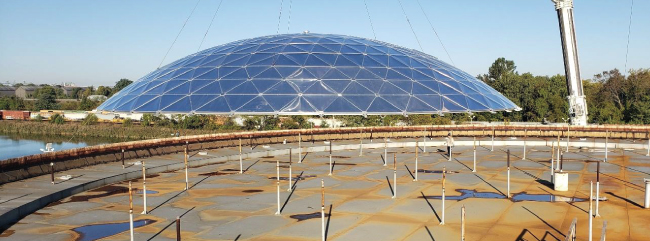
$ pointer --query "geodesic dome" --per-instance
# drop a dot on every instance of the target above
(307, 74)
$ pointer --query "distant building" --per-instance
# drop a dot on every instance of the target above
(69, 90)
(97, 97)
(7, 91)
(25, 92)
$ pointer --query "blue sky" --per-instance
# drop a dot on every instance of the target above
(99, 42)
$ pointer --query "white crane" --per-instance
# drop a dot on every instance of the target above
(577, 100)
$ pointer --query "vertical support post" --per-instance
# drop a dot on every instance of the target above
(552, 161)
(361, 143)
(322, 209)
(277, 174)
(474, 169)
(648, 154)
(416, 161)
(241, 166)
(123, 159)
(561, 160)
(462, 223)
(385, 150)
(131, 211)
(394, 175)
(492, 139)
(508, 173)
(444, 172)
(525, 137)
(424, 140)
(52, 171)
(558, 149)
(187, 180)
(144, 188)
(330, 149)
(646, 202)
(178, 228)
(300, 146)
(451, 152)
(606, 144)
(603, 231)
(591, 217)
(290, 170)
(568, 130)
(597, 186)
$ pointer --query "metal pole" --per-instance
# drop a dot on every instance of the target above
(330, 158)
(474, 170)
(300, 147)
(394, 175)
(322, 209)
(552, 161)
(558, 149)
(591, 217)
(416, 161)
(361, 144)
(451, 151)
(385, 150)
(462, 223)
(508, 173)
(492, 139)
(123, 159)
(525, 137)
(561, 161)
(52, 171)
(178, 228)
(187, 181)
(444, 171)
(606, 144)
(568, 129)
(648, 147)
(646, 202)
(424, 139)
(277, 174)
(131, 211)
(597, 187)
(604, 231)
(290, 169)
(144, 188)
(241, 166)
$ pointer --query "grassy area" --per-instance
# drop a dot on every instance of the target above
(105, 130)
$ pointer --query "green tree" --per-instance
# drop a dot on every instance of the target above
(121, 84)
(103, 90)
(501, 67)
(87, 104)
(46, 99)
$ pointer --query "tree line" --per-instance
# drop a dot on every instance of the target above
(47, 95)
(612, 98)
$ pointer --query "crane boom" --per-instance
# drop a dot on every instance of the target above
(577, 100)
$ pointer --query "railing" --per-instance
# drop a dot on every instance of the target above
(571, 235)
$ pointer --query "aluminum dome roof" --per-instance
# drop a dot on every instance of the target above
(307, 74)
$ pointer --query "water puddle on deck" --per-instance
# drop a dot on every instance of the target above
(303, 217)
(99, 231)
(518, 197)
(148, 192)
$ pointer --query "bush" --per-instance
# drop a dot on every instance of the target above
(38, 118)
(57, 119)
(127, 122)
(90, 119)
